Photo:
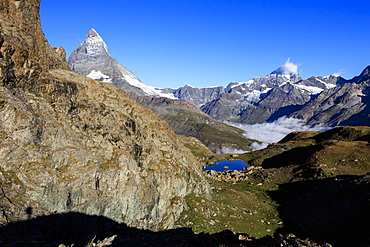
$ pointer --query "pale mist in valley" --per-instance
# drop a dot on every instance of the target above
(273, 132)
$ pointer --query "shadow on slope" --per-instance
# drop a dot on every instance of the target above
(283, 111)
(78, 229)
(334, 210)
(297, 155)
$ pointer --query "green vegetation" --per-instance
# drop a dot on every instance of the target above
(242, 207)
(197, 148)
(210, 132)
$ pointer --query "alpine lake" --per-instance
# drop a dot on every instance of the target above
(226, 165)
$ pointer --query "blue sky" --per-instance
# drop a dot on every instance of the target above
(170, 43)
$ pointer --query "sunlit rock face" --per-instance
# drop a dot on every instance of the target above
(70, 143)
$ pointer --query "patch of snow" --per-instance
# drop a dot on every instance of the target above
(94, 45)
(309, 89)
(255, 95)
(98, 75)
(252, 97)
(327, 85)
(247, 83)
(149, 90)
(210, 87)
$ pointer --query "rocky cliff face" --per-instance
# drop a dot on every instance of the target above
(24, 49)
(69, 143)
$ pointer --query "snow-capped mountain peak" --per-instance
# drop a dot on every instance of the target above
(92, 59)
(93, 33)
(95, 44)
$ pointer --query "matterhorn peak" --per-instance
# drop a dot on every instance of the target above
(93, 33)
(95, 45)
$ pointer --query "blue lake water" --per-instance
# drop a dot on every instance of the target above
(220, 166)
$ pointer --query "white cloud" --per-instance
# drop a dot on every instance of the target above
(339, 72)
(287, 68)
(268, 133)
(226, 150)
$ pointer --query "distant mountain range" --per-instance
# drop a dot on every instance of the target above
(330, 100)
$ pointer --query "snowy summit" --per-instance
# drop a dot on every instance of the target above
(92, 59)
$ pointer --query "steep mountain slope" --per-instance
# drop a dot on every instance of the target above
(187, 120)
(72, 144)
(92, 59)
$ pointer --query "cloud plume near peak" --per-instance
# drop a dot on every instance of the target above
(273, 132)
(287, 68)
(340, 72)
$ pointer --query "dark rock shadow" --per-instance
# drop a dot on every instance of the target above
(293, 156)
(284, 111)
(334, 210)
(69, 228)
(78, 229)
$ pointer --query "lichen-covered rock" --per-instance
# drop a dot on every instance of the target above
(69, 143)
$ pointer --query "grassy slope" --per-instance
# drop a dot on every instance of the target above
(241, 207)
(213, 134)
(293, 173)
